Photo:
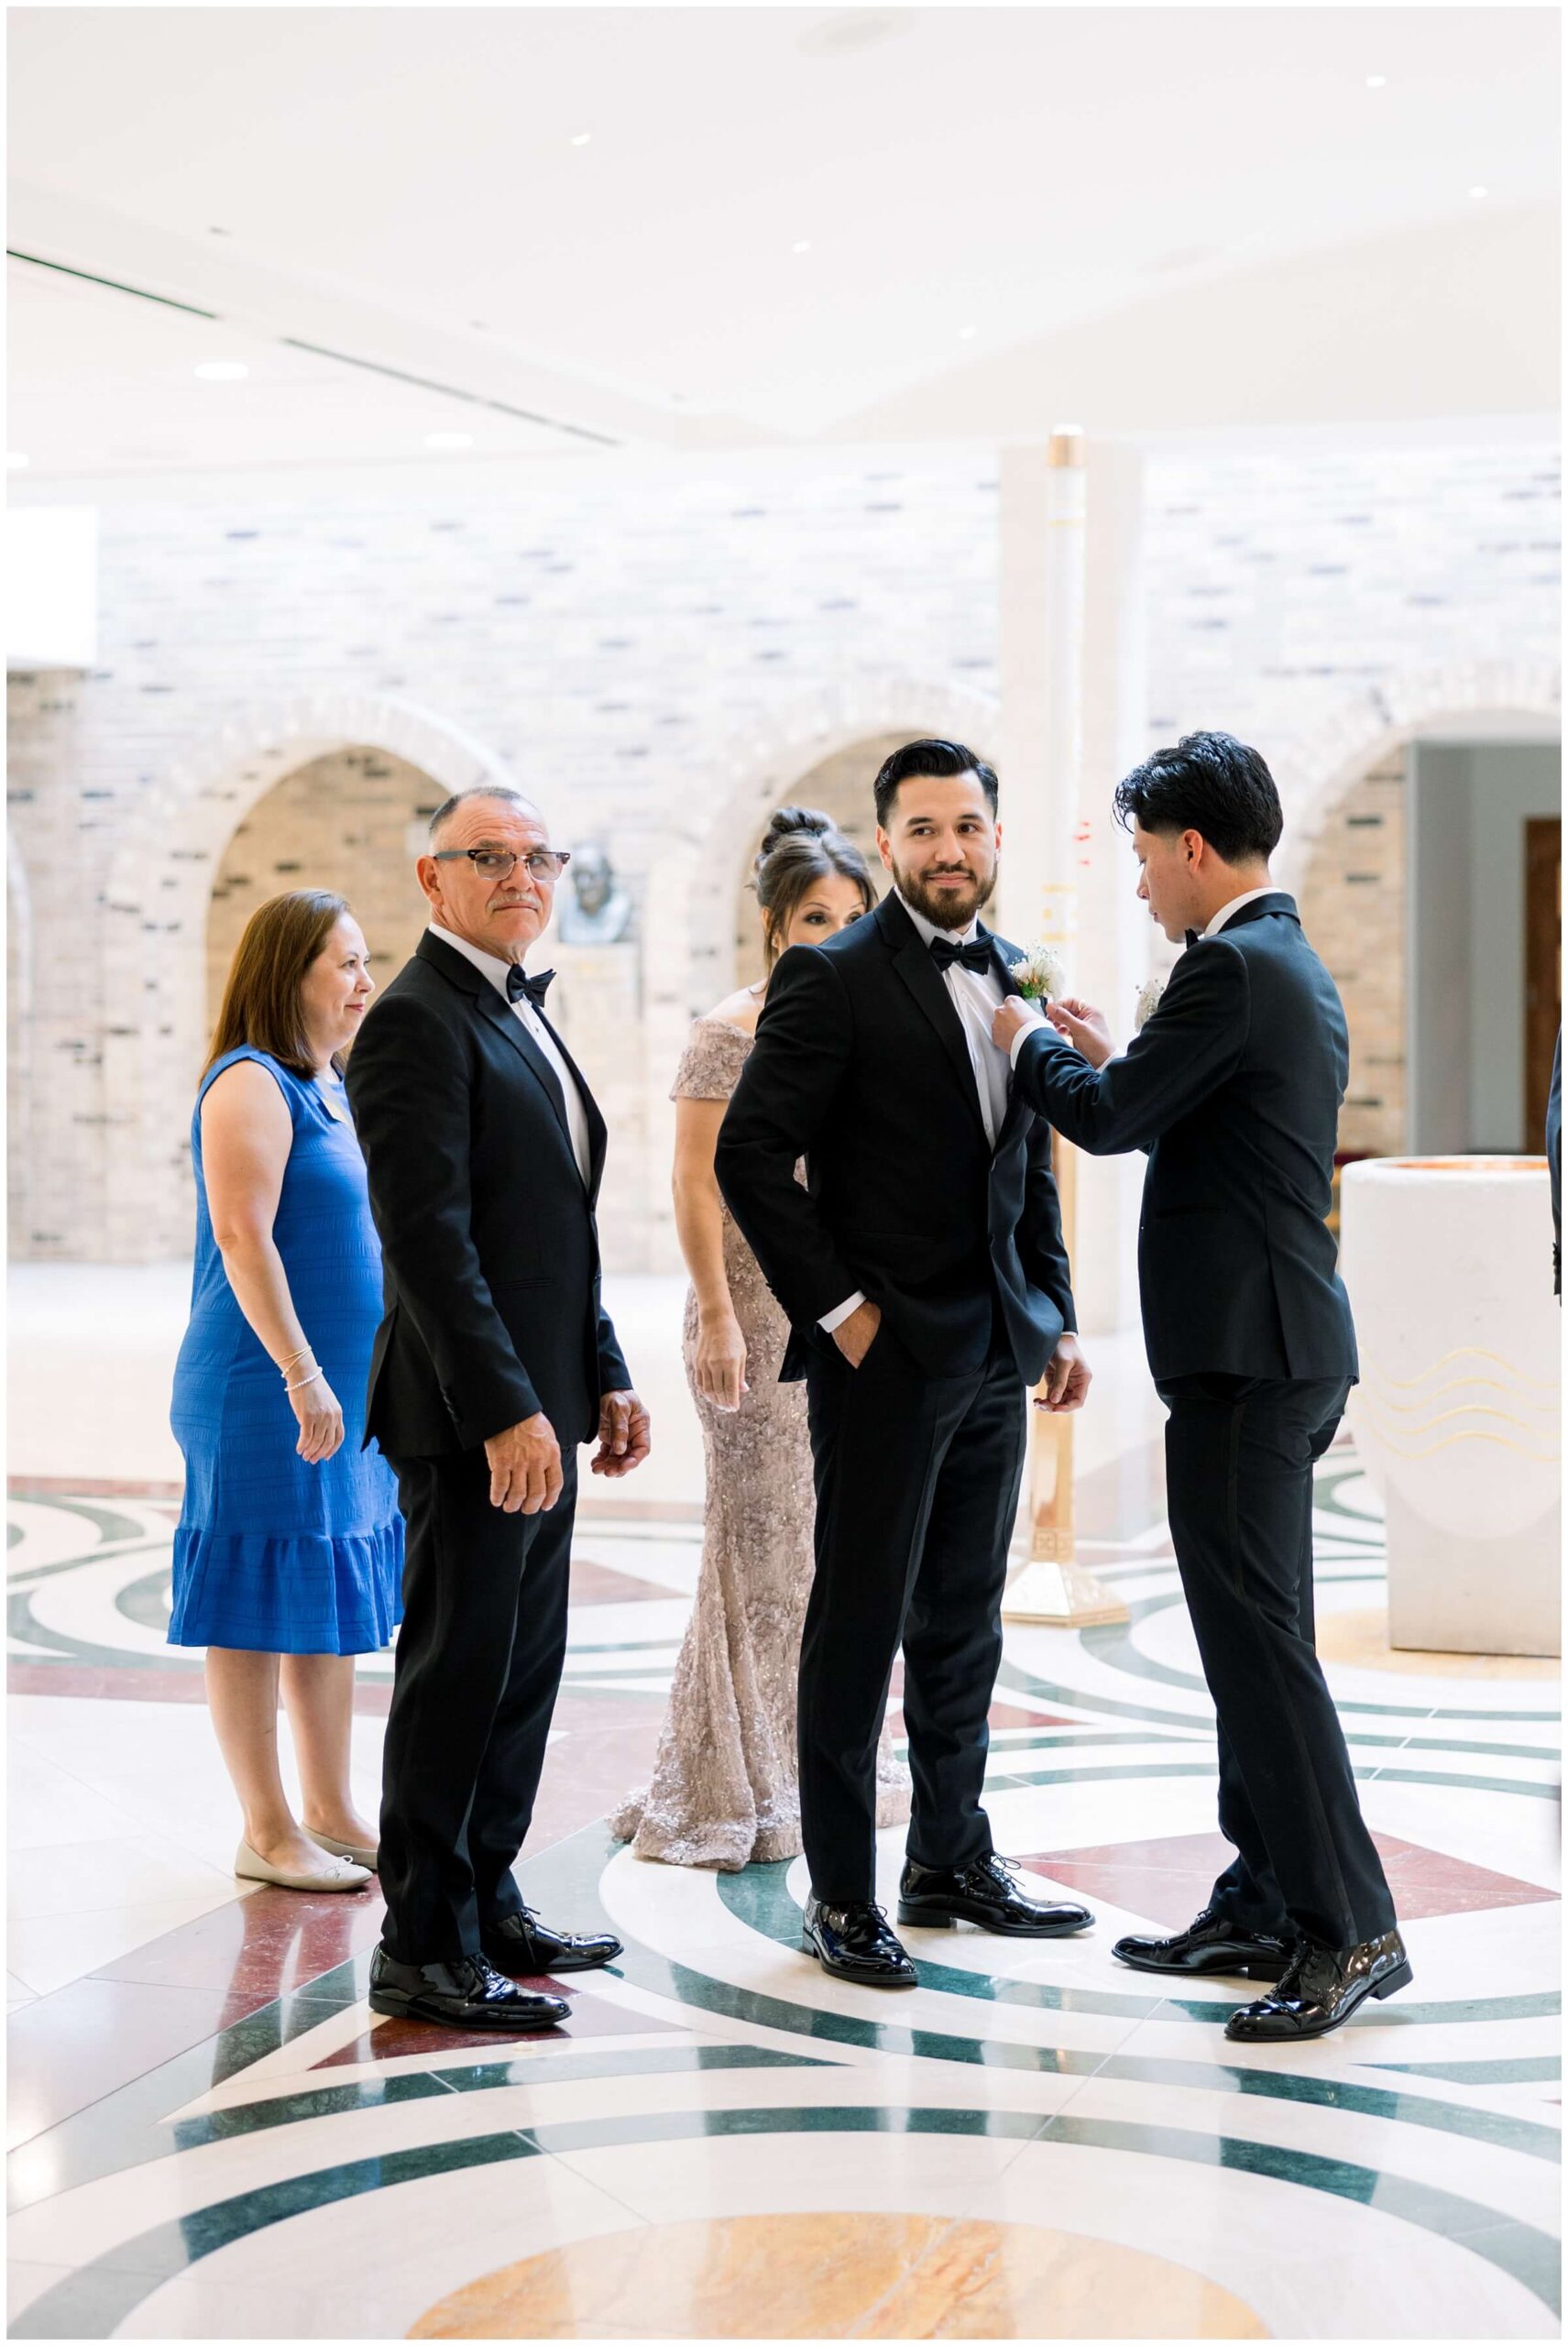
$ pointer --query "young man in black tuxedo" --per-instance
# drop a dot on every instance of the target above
(1233, 1088)
(923, 1272)
(495, 1361)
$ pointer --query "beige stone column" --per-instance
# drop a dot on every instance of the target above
(1043, 578)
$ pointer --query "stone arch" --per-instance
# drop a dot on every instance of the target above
(690, 928)
(1316, 771)
(156, 917)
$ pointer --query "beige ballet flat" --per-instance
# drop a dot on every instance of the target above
(248, 1866)
(353, 1850)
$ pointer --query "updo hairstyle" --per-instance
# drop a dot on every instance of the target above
(801, 846)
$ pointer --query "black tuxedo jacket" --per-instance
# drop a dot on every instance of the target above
(1234, 1086)
(487, 1235)
(860, 1066)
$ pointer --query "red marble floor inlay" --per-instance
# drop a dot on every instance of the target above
(268, 1944)
(598, 1584)
(89, 1486)
(591, 2016)
(1168, 1881)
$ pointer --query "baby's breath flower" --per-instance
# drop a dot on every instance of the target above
(1038, 975)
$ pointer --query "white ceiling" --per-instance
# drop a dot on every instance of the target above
(1157, 217)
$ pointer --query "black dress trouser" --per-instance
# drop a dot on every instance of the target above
(917, 1480)
(1239, 1458)
(478, 1667)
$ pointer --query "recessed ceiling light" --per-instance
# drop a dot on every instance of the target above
(223, 370)
(968, 334)
(801, 244)
(1476, 194)
(448, 439)
(1377, 81)
(581, 138)
(16, 462)
(218, 232)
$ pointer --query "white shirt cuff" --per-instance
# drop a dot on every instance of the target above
(1036, 1018)
(840, 1312)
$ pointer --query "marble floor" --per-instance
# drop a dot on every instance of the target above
(212, 2137)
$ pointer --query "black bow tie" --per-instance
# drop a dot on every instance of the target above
(518, 983)
(975, 955)
(1192, 935)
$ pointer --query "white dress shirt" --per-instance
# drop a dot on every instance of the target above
(1226, 911)
(490, 965)
(977, 997)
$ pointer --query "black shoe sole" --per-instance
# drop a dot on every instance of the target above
(399, 2004)
(1256, 1967)
(855, 1978)
(1390, 1985)
(948, 1918)
(549, 1970)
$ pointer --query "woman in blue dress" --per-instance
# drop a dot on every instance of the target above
(288, 1560)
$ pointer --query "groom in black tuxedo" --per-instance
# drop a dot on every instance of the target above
(1233, 1088)
(923, 1272)
(495, 1362)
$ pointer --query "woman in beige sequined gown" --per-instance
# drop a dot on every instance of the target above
(723, 1791)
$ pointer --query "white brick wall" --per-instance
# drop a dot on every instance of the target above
(659, 657)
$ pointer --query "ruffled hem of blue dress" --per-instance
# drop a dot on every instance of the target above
(298, 1593)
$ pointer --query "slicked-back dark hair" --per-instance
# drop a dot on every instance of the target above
(943, 759)
(1212, 784)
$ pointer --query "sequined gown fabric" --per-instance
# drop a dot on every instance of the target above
(723, 1791)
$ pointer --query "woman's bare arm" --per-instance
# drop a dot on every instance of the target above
(247, 1133)
(720, 1366)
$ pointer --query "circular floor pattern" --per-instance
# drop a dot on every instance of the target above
(840, 2275)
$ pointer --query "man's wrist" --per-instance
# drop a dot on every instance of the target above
(840, 1312)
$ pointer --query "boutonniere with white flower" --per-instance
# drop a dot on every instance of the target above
(1147, 1001)
(1038, 975)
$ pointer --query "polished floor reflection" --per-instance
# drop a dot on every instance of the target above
(212, 2137)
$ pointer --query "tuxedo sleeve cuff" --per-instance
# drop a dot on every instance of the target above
(840, 1312)
(1021, 1037)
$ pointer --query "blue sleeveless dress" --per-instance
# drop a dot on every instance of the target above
(271, 1555)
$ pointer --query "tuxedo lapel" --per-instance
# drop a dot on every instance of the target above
(925, 981)
(506, 1021)
(501, 1016)
(1003, 957)
(597, 1133)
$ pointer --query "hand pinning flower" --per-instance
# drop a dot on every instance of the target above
(1039, 976)
(1147, 1002)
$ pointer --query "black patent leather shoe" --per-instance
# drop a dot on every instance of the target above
(526, 1948)
(987, 1894)
(467, 1992)
(1211, 1943)
(1321, 1990)
(855, 1943)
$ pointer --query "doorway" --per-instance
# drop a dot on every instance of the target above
(1483, 866)
(1542, 966)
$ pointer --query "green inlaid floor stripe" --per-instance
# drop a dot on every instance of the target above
(139, 2266)
(328, 2100)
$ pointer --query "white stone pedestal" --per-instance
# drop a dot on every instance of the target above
(1448, 1263)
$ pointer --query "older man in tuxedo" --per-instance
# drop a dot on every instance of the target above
(495, 1362)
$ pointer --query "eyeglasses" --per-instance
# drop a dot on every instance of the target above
(545, 864)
